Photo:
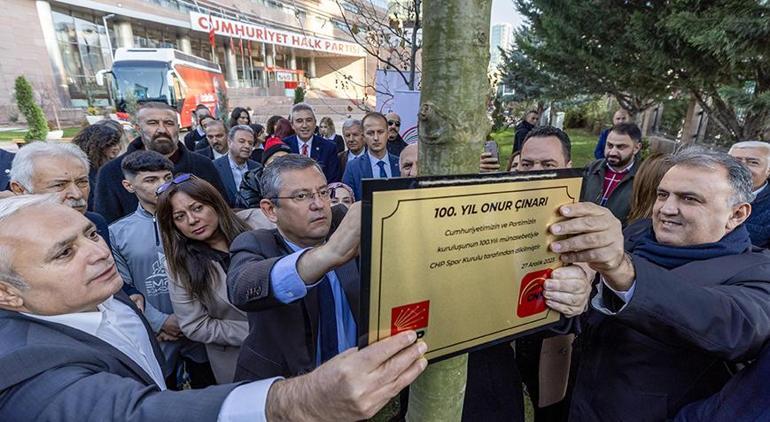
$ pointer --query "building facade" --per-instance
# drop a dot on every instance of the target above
(265, 48)
(501, 36)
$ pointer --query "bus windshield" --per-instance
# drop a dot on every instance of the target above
(140, 81)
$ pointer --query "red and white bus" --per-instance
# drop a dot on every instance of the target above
(167, 75)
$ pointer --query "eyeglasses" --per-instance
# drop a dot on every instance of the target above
(175, 181)
(301, 197)
(394, 123)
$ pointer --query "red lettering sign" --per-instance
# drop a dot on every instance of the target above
(203, 22)
(226, 27)
(531, 300)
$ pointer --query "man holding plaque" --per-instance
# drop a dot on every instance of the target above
(678, 303)
(299, 282)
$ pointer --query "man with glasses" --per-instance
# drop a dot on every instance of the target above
(299, 282)
(396, 143)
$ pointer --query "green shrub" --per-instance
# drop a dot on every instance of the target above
(38, 126)
(299, 95)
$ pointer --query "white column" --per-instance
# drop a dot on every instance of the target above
(231, 67)
(183, 43)
(124, 34)
(311, 67)
(293, 60)
(263, 53)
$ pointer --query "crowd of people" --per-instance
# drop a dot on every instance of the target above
(217, 277)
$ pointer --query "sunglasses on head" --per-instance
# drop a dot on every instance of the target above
(175, 181)
(393, 123)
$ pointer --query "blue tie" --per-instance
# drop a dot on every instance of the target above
(381, 165)
(328, 320)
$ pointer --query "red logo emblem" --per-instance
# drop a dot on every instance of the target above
(531, 300)
(409, 317)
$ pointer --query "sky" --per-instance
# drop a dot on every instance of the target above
(505, 11)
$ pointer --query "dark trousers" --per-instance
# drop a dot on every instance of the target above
(493, 391)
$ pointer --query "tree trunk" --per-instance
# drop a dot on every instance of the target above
(453, 126)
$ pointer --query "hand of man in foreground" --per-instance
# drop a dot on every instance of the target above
(341, 248)
(353, 385)
(568, 290)
(488, 163)
(594, 236)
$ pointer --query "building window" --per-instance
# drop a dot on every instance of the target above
(83, 46)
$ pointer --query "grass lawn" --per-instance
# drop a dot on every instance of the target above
(583, 144)
(10, 135)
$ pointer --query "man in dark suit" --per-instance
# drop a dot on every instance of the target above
(72, 341)
(307, 143)
(300, 291)
(6, 158)
(198, 132)
(353, 132)
(688, 298)
(158, 131)
(396, 143)
(233, 166)
(377, 163)
(215, 146)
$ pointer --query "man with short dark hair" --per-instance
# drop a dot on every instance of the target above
(299, 282)
(377, 162)
(233, 166)
(522, 129)
(755, 155)
(74, 348)
(216, 141)
(681, 300)
(543, 148)
(158, 131)
(198, 132)
(609, 181)
(396, 143)
(306, 142)
(353, 133)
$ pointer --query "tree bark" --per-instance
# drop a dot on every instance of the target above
(453, 125)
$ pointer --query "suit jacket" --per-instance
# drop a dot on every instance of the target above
(213, 321)
(361, 168)
(206, 151)
(80, 377)
(222, 165)
(323, 151)
(192, 139)
(282, 337)
(672, 342)
(112, 201)
(6, 159)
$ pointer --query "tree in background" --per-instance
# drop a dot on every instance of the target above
(25, 99)
(453, 126)
(642, 51)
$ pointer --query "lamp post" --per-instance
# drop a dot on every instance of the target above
(107, 32)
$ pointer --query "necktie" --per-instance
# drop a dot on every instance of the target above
(381, 165)
(328, 320)
(304, 150)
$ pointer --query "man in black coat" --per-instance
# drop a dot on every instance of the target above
(522, 129)
(300, 291)
(688, 298)
(158, 131)
(197, 134)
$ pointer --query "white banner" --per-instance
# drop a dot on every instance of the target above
(247, 31)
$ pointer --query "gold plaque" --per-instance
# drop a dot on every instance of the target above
(460, 259)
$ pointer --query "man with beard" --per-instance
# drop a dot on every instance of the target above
(396, 143)
(158, 131)
(620, 116)
(216, 138)
(609, 181)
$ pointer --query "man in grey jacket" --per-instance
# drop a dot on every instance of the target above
(139, 257)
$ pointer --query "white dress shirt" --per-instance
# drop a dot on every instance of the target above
(352, 156)
(376, 168)
(119, 326)
(309, 144)
(216, 154)
(238, 171)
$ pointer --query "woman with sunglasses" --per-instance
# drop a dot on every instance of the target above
(197, 228)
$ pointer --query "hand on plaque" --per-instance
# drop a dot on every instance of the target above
(568, 290)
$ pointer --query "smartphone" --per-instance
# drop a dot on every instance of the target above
(491, 147)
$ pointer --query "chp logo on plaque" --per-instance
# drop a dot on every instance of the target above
(531, 300)
(413, 316)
